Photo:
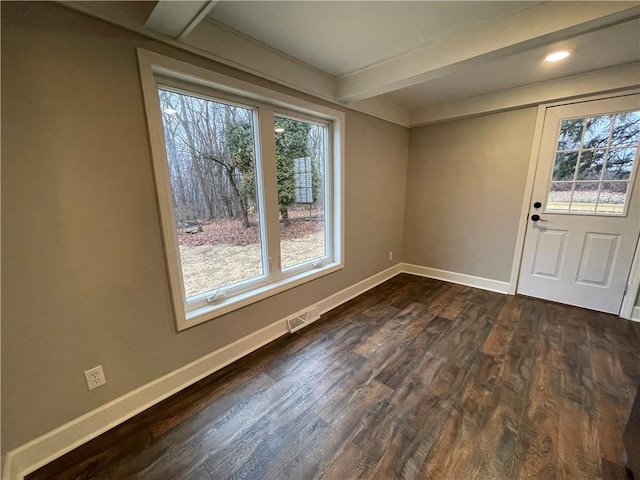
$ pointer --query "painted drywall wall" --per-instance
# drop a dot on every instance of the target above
(465, 186)
(83, 270)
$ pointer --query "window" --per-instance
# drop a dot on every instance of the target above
(249, 187)
(301, 165)
(594, 163)
(212, 169)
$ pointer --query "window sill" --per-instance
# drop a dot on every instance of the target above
(209, 312)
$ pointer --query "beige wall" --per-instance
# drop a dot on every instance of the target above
(465, 187)
(82, 265)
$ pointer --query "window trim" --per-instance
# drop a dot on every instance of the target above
(153, 69)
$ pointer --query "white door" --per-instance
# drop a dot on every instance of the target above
(584, 218)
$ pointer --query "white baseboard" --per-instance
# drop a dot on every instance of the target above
(46, 448)
(359, 288)
(42, 450)
(460, 278)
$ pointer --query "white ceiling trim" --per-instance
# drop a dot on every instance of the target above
(177, 19)
(608, 80)
(384, 109)
(534, 27)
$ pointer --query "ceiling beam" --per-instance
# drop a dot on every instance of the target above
(613, 79)
(542, 24)
(177, 18)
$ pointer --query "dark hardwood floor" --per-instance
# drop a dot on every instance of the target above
(414, 379)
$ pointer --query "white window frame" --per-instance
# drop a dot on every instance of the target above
(157, 71)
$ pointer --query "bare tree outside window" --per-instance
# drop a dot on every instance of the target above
(211, 157)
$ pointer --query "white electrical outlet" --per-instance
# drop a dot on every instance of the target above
(390, 255)
(95, 377)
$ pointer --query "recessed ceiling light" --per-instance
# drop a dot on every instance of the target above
(169, 111)
(556, 56)
(279, 130)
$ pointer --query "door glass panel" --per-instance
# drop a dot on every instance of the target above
(560, 196)
(564, 168)
(626, 129)
(594, 162)
(301, 165)
(211, 154)
(570, 134)
(585, 196)
(620, 163)
(590, 167)
(597, 131)
(612, 197)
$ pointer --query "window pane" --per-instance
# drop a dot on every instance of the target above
(605, 149)
(565, 166)
(620, 163)
(570, 134)
(626, 129)
(559, 197)
(211, 154)
(612, 197)
(590, 167)
(597, 132)
(584, 197)
(301, 159)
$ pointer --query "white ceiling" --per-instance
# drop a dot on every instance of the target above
(351, 39)
(617, 45)
(343, 37)
(410, 62)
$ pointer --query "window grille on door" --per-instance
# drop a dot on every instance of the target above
(594, 164)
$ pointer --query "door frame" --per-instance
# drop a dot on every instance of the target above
(633, 285)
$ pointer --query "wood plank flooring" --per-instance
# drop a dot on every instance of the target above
(414, 379)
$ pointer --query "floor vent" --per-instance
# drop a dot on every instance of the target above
(302, 319)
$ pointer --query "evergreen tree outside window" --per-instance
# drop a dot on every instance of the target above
(300, 154)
